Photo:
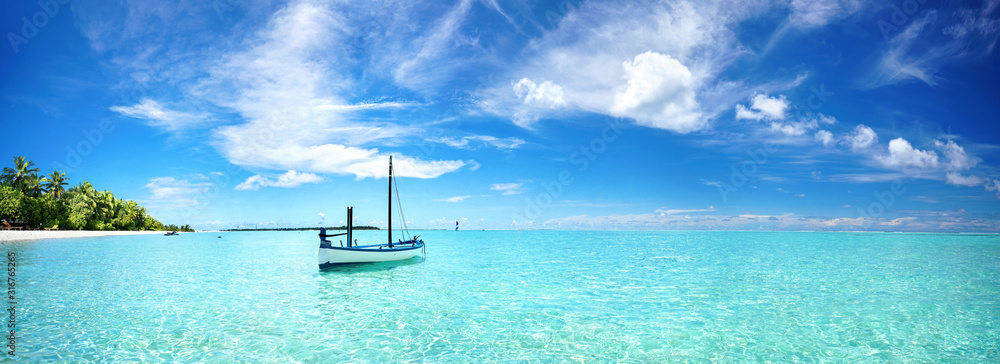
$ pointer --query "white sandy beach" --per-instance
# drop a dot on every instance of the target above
(15, 235)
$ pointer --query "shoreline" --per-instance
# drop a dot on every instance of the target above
(25, 235)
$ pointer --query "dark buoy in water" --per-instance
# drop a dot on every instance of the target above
(220, 237)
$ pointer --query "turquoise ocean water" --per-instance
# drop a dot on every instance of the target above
(514, 296)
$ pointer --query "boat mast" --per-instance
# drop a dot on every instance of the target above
(350, 226)
(390, 199)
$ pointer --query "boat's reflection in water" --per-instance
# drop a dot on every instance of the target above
(371, 267)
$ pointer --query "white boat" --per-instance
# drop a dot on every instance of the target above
(330, 255)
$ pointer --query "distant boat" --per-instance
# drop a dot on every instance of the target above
(330, 255)
(172, 233)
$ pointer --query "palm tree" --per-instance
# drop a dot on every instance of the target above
(22, 169)
(54, 183)
(106, 205)
(31, 185)
(88, 195)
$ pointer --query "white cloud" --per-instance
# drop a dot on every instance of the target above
(775, 110)
(288, 180)
(286, 85)
(982, 23)
(763, 107)
(993, 185)
(787, 221)
(424, 62)
(958, 160)
(861, 138)
(169, 187)
(664, 211)
(545, 94)
(659, 94)
(158, 116)
(898, 65)
(808, 14)
(454, 199)
(537, 99)
(845, 221)
(464, 142)
(169, 193)
(658, 220)
(898, 221)
(919, 50)
(794, 128)
(816, 13)
(366, 106)
(903, 155)
(957, 179)
(867, 177)
(824, 137)
(508, 188)
(672, 55)
(711, 183)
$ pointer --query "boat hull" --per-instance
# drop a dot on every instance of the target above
(335, 256)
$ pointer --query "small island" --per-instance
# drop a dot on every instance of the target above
(29, 201)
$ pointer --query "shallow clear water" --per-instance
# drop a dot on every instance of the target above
(486, 296)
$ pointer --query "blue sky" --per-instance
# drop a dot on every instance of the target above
(800, 115)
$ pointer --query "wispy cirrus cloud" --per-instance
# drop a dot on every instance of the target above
(289, 179)
(285, 90)
(170, 193)
(367, 106)
(471, 141)
(935, 39)
(454, 199)
(157, 115)
(665, 211)
(413, 69)
(295, 116)
(943, 220)
(513, 188)
(805, 15)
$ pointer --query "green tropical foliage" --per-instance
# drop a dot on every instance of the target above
(54, 183)
(21, 173)
(10, 202)
(44, 202)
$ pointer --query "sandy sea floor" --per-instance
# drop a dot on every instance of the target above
(15, 235)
